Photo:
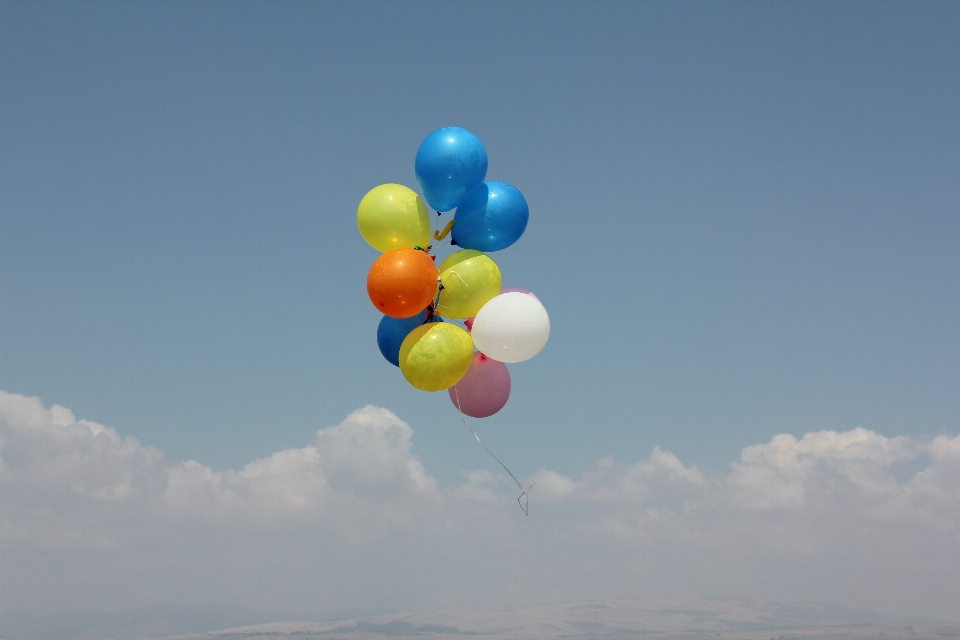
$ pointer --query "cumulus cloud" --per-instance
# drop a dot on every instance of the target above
(353, 521)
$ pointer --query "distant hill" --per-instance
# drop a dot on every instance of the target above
(147, 622)
(674, 618)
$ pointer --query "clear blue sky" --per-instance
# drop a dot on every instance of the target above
(743, 218)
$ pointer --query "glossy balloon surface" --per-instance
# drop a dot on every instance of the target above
(450, 163)
(434, 356)
(402, 282)
(392, 331)
(491, 217)
(470, 278)
(512, 327)
(392, 216)
(484, 389)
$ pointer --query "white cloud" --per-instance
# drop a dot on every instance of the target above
(90, 519)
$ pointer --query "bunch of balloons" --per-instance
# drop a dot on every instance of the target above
(418, 298)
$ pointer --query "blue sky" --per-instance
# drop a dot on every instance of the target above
(743, 218)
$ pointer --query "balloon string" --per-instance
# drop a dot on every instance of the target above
(523, 492)
(441, 287)
(458, 278)
(434, 222)
(440, 235)
(435, 307)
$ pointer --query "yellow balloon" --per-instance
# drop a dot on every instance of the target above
(470, 278)
(434, 356)
(392, 216)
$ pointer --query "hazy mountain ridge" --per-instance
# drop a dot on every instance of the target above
(655, 618)
(145, 622)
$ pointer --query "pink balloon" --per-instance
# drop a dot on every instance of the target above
(518, 290)
(484, 389)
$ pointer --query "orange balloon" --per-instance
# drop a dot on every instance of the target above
(402, 282)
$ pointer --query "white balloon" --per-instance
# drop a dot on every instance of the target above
(511, 327)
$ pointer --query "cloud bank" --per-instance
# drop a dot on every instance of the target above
(353, 523)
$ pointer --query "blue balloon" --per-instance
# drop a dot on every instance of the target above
(491, 217)
(450, 163)
(392, 331)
